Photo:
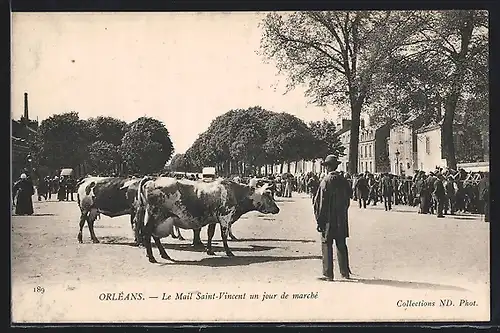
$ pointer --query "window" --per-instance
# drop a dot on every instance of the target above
(371, 151)
(366, 154)
(427, 145)
(361, 151)
(371, 166)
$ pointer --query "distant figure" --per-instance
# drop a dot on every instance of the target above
(43, 189)
(23, 191)
(484, 195)
(361, 189)
(61, 193)
(387, 190)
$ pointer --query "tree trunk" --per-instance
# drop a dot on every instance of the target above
(455, 91)
(354, 140)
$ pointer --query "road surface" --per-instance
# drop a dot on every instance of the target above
(394, 256)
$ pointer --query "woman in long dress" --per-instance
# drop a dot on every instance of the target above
(23, 192)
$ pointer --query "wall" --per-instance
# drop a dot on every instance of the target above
(344, 139)
(429, 149)
(401, 139)
(367, 153)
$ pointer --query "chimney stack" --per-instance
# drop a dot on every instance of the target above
(26, 106)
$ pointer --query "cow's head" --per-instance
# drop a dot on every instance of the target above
(263, 200)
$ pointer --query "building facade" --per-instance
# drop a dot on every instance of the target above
(345, 138)
(429, 148)
(366, 153)
(373, 149)
(403, 147)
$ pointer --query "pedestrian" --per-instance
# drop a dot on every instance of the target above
(387, 191)
(23, 191)
(331, 204)
(484, 195)
(43, 189)
(361, 189)
(70, 188)
(439, 195)
(61, 194)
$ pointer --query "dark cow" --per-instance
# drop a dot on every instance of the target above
(165, 203)
(111, 196)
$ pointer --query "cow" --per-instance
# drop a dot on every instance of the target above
(111, 196)
(164, 203)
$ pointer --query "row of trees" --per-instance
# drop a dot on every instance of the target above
(256, 138)
(101, 144)
(391, 64)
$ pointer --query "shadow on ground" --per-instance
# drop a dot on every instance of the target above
(110, 240)
(403, 284)
(236, 261)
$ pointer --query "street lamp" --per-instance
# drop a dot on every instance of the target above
(397, 161)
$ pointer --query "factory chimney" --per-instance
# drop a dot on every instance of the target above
(26, 115)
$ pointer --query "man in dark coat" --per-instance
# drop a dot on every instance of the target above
(421, 193)
(484, 195)
(361, 189)
(61, 192)
(70, 188)
(387, 191)
(23, 191)
(331, 204)
(439, 194)
(43, 189)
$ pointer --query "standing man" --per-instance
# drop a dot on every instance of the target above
(361, 189)
(439, 195)
(331, 204)
(484, 195)
(387, 191)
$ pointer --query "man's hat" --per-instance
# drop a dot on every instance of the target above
(331, 160)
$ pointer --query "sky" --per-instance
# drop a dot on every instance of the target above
(184, 69)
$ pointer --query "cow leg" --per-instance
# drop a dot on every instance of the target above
(148, 233)
(211, 232)
(179, 233)
(83, 219)
(224, 231)
(92, 233)
(160, 247)
(174, 235)
(231, 235)
(197, 238)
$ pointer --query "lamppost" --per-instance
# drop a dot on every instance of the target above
(397, 162)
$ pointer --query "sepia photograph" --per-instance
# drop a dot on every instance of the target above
(213, 167)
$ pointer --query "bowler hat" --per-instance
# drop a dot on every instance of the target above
(331, 160)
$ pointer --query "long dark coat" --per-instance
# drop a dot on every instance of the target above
(331, 204)
(23, 191)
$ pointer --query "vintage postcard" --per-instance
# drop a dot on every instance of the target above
(201, 167)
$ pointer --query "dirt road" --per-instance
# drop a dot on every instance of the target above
(394, 256)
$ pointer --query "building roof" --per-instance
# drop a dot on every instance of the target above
(343, 130)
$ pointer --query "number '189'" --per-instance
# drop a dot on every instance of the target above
(39, 289)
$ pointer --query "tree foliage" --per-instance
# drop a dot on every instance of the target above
(179, 163)
(337, 54)
(61, 141)
(102, 158)
(257, 137)
(146, 146)
(107, 129)
(326, 139)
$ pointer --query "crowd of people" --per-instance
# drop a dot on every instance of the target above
(63, 187)
(440, 192)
